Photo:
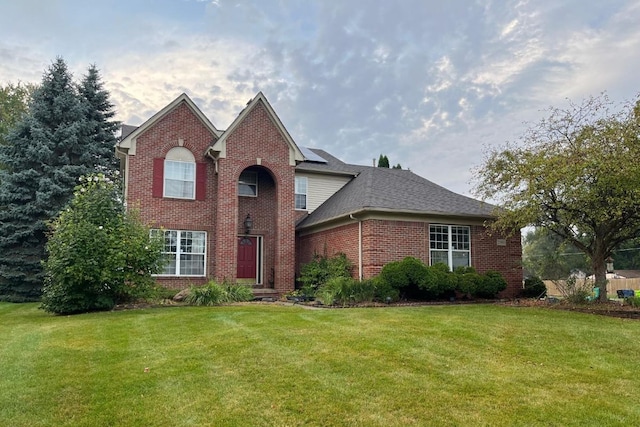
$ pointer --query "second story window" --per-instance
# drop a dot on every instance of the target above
(179, 176)
(248, 184)
(301, 192)
(179, 179)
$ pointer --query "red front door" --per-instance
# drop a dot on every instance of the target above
(247, 250)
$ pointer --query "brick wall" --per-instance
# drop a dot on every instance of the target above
(388, 240)
(500, 253)
(329, 243)
(199, 215)
(256, 143)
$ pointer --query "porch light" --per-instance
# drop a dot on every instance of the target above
(609, 262)
(248, 225)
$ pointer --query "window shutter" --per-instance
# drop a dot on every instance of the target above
(158, 177)
(201, 181)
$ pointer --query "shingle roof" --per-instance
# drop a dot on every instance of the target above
(126, 130)
(332, 165)
(395, 190)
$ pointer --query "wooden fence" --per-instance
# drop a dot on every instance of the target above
(612, 285)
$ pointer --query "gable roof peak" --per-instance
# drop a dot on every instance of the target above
(219, 148)
(128, 142)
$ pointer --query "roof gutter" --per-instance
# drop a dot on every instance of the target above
(365, 210)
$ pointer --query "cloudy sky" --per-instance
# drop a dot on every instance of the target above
(430, 83)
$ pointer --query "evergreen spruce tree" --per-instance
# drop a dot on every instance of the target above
(44, 155)
(100, 128)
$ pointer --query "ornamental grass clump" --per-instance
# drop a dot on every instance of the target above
(215, 294)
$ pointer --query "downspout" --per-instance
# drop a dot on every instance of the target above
(360, 275)
(125, 177)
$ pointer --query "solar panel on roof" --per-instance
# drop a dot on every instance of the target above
(311, 156)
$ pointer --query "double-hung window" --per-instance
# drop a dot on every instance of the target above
(184, 252)
(301, 192)
(450, 244)
(179, 179)
(248, 184)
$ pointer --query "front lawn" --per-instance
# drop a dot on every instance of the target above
(275, 365)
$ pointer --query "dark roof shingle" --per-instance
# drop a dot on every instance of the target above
(395, 190)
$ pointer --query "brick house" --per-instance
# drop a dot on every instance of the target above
(249, 205)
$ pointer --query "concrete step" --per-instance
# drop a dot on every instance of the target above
(266, 294)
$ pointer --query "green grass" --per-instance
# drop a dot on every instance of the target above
(273, 365)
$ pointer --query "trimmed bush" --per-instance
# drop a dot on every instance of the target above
(407, 277)
(438, 281)
(466, 280)
(534, 287)
(383, 292)
(411, 278)
(490, 284)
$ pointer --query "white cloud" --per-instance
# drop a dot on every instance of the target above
(426, 82)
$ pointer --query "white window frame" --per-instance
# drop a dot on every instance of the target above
(182, 251)
(192, 180)
(243, 181)
(451, 245)
(299, 191)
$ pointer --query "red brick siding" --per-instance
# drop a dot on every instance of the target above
(257, 137)
(385, 241)
(487, 255)
(329, 243)
(198, 215)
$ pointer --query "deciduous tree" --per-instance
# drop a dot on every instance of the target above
(576, 174)
(14, 102)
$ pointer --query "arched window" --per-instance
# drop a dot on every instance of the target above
(178, 176)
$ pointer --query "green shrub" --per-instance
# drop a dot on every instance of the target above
(99, 254)
(384, 292)
(392, 275)
(437, 281)
(406, 276)
(490, 284)
(162, 293)
(321, 269)
(346, 291)
(361, 291)
(632, 301)
(534, 287)
(327, 293)
(466, 280)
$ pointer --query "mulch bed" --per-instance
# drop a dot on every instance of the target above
(611, 308)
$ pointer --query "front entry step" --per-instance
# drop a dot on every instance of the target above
(266, 294)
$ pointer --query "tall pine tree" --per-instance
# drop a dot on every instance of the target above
(44, 155)
(100, 127)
